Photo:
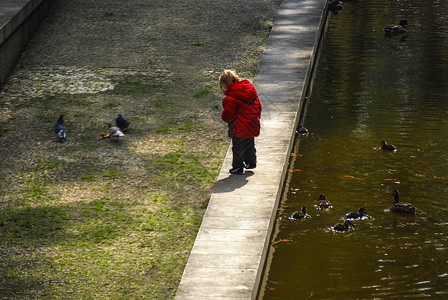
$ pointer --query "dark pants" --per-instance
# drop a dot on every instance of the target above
(243, 152)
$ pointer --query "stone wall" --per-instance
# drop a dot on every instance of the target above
(17, 31)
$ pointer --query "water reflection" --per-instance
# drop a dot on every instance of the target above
(369, 88)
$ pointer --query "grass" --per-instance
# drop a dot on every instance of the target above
(201, 91)
(106, 245)
(96, 219)
(187, 168)
(49, 164)
(76, 227)
(129, 86)
(110, 249)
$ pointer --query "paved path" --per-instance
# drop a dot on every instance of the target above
(228, 255)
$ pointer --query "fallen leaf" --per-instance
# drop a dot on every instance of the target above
(284, 240)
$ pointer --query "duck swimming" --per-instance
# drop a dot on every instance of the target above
(396, 29)
(335, 6)
(302, 130)
(297, 215)
(356, 215)
(341, 227)
(401, 207)
(388, 147)
(323, 202)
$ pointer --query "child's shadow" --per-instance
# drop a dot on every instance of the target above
(232, 182)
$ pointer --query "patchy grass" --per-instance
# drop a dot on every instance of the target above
(95, 249)
(113, 222)
(201, 91)
(134, 87)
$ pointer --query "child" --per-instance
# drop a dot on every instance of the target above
(241, 110)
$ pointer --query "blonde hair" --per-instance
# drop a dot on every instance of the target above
(227, 77)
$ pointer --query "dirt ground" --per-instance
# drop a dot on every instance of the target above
(82, 213)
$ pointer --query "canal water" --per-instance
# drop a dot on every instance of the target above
(370, 88)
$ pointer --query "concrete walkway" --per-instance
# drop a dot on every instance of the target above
(227, 258)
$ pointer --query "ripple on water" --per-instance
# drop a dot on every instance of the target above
(361, 96)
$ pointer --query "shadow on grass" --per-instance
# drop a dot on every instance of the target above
(96, 221)
(51, 250)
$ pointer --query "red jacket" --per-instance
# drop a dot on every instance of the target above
(242, 110)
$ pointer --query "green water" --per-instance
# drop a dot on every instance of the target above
(369, 88)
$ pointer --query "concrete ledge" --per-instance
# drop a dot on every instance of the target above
(19, 19)
(229, 253)
(13, 14)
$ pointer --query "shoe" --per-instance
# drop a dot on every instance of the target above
(237, 171)
(251, 166)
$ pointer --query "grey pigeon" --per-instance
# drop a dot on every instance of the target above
(122, 122)
(60, 130)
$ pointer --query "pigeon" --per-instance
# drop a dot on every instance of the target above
(60, 130)
(122, 122)
(114, 132)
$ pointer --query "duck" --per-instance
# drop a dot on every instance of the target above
(356, 215)
(302, 130)
(341, 227)
(60, 129)
(122, 122)
(401, 207)
(335, 6)
(114, 132)
(323, 202)
(388, 147)
(396, 29)
(297, 215)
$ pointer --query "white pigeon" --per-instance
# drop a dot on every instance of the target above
(114, 132)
